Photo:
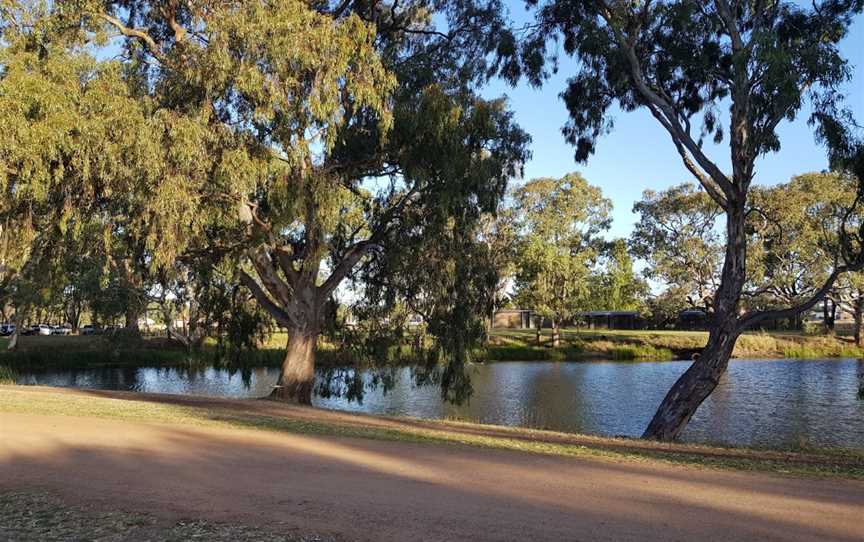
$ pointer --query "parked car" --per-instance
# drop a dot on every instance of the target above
(38, 329)
(61, 330)
(90, 329)
(7, 329)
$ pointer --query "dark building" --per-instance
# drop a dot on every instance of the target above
(611, 319)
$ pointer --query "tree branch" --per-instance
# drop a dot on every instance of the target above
(349, 260)
(725, 12)
(263, 299)
(269, 278)
(669, 119)
(138, 33)
(752, 318)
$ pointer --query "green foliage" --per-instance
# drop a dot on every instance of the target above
(641, 352)
(270, 142)
(453, 295)
(677, 235)
(691, 54)
(795, 236)
(620, 288)
(560, 222)
(8, 375)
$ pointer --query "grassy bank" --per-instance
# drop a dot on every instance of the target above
(512, 345)
(37, 353)
(270, 416)
(80, 352)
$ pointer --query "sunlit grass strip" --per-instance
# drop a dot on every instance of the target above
(828, 462)
(507, 345)
(641, 352)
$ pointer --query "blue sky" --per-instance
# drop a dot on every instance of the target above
(638, 154)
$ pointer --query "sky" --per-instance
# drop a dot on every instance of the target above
(639, 154)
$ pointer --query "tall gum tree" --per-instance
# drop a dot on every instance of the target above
(561, 220)
(76, 135)
(447, 157)
(678, 237)
(684, 60)
(793, 238)
(325, 124)
(278, 81)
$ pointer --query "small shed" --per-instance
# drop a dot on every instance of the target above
(512, 319)
(692, 319)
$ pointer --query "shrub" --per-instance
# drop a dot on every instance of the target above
(8, 375)
(802, 351)
(851, 352)
(641, 352)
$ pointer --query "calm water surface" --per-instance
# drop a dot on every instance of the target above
(772, 402)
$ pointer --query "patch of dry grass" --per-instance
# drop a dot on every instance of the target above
(35, 516)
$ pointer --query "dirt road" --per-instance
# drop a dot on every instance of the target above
(376, 490)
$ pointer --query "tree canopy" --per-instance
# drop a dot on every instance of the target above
(561, 220)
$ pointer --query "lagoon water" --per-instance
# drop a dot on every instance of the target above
(758, 402)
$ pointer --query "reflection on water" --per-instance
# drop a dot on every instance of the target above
(774, 402)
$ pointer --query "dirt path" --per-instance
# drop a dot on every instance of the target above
(376, 490)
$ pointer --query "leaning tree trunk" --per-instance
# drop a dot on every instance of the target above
(693, 387)
(697, 383)
(298, 368)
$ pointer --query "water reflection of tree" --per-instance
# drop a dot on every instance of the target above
(352, 383)
(551, 397)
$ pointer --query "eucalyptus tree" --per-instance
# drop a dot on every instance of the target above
(499, 233)
(74, 135)
(199, 297)
(308, 131)
(560, 221)
(620, 287)
(682, 61)
(793, 237)
(453, 291)
(679, 237)
(257, 94)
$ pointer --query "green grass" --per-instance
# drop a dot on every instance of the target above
(806, 351)
(508, 345)
(39, 353)
(641, 352)
(801, 351)
(530, 353)
(823, 462)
